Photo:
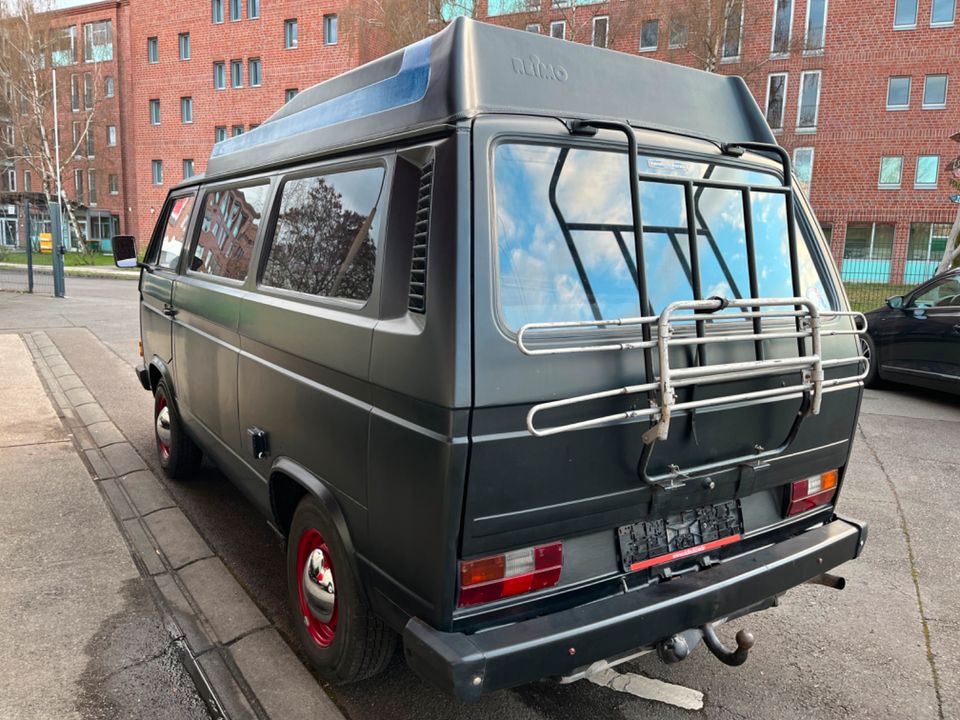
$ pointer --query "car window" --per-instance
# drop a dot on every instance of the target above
(231, 218)
(327, 235)
(167, 253)
(943, 294)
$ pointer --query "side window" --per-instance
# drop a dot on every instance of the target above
(231, 218)
(327, 235)
(944, 294)
(167, 252)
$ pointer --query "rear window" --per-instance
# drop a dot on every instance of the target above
(570, 255)
(231, 218)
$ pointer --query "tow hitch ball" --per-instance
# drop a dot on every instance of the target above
(676, 648)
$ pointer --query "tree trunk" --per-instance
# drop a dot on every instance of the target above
(952, 251)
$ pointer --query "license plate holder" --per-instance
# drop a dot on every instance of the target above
(649, 543)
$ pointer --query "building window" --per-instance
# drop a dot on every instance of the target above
(679, 31)
(649, 35)
(75, 128)
(558, 29)
(600, 25)
(289, 94)
(253, 9)
(153, 50)
(92, 187)
(187, 169)
(815, 37)
(111, 135)
(782, 27)
(220, 133)
(237, 130)
(63, 50)
(89, 140)
(10, 180)
(78, 185)
(330, 29)
(868, 241)
(217, 9)
(809, 105)
(27, 181)
(253, 68)
(98, 41)
(927, 168)
(185, 46)
(533, 28)
(927, 243)
(934, 92)
(898, 93)
(156, 169)
(732, 30)
(942, 12)
(154, 112)
(803, 167)
(891, 168)
(88, 91)
(219, 76)
(235, 11)
(236, 73)
(905, 14)
(74, 92)
(291, 34)
(108, 86)
(113, 184)
(186, 110)
(776, 99)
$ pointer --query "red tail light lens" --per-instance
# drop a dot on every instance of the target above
(812, 492)
(513, 573)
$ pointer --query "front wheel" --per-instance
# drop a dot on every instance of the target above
(179, 455)
(868, 349)
(339, 633)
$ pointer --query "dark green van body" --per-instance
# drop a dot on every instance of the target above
(407, 411)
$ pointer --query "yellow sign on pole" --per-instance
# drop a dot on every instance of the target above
(46, 242)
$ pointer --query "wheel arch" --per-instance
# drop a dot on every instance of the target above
(158, 370)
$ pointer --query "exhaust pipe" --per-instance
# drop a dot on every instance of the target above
(827, 580)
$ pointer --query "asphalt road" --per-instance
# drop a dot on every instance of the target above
(887, 646)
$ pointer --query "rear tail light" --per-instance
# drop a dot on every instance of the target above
(812, 492)
(512, 573)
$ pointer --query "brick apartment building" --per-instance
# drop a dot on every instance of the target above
(859, 93)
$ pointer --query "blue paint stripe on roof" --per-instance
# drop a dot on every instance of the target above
(408, 86)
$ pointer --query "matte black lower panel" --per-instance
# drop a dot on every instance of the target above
(522, 652)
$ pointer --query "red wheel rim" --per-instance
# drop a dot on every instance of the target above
(321, 632)
(164, 447)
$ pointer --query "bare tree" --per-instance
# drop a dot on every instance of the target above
(622, 18)
(382, 26)
(33, 47)
(951, 253)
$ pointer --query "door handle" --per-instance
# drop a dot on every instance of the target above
(169, 310)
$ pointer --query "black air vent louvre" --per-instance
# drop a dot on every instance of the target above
(421, 229)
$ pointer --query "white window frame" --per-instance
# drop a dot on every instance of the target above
(289, 94)
(773, 31)
(916, 180)
(153, 50)
(287, 24)
(649, 48)
(909, 80)
(154, 103)
(783, 104)
(259, 65)
(916, 15)
(670, 44)
(236, 80)
(723, 41)
(889, 186)
(239, 6)
(816, 110)
(255, 6)
(606, 34)
(946, 87)
(941, 24)
(806, 30)
(27, 181)
(328, 20)
(181, 46)
(216, 5)
(156, 178)
(812, 153)
(110, 186)
(78, 185)
(92, 187)
(533, 28)
(561, 23)
(109, 86)
(12, 179)
(111, 135)
(192, 168)
(216, 132)
(222, 66)
(186, 110)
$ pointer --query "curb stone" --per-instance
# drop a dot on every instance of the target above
(240, 665)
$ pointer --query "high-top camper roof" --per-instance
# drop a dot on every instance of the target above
(471, 68)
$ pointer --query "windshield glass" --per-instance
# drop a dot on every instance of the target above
(565, 246)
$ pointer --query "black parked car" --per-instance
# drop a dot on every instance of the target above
(915, 339)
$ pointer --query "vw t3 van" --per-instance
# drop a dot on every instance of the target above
(533, 352)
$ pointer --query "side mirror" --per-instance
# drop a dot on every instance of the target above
(125, 251)
(895, 302)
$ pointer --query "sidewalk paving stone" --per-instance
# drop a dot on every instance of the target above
(184, 614)
(121, 456)
(231, 697)
(144, 546)
(90, 414)
(105, 433)
(101, 469)
(79, 396)
(175, 535)
(118, 501)
(229, 610)
(280, 681)
(145, 491)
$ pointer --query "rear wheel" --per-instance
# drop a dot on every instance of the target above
(179, 455)
(339, 633)
(869, 350)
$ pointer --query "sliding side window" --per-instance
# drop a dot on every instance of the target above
(231, 218)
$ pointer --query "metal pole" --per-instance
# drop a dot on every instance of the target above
(26, 222)
(57, 246)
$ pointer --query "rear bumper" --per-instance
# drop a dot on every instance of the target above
(143, 376)
(469, 665)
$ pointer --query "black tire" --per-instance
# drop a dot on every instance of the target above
(359, 645)
(179, 455)
(869, 350)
